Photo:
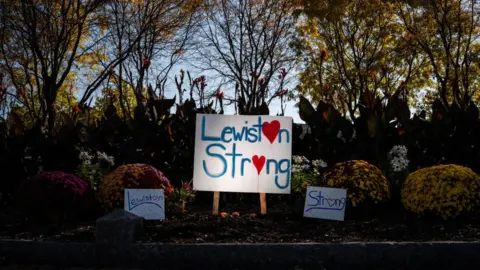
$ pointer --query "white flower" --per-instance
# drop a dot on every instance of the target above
(85, 156)
(319, 163)
(300, 168)
(398, 158)
(305, 167)
(106, 157)
(296, 168)
(354, 135)
(102, 155)
(399, 164)
(398, 151)
(316, 172)
(297, 159)
(111, 161)
(300, 160)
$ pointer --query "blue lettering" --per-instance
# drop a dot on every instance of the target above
(259, 126)
(226, 131)
(270, 161)
(136, 202)
(224, 162)
(310, 195)
(238, 136)
(252, 133)
(283, 171)
(204, 137)
(242, 167)
(324, 203)
(234, 155)
(280, 135)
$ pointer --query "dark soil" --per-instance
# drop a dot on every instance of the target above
(281, 224)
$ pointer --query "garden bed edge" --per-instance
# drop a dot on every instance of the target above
(363, 255)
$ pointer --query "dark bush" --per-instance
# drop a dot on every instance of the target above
(55, 196)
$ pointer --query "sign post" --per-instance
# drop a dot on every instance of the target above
(216, 202)
(263, 203)
(238, 153)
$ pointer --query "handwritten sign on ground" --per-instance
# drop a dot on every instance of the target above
(146, 203)
(325, 203)
(236, 153)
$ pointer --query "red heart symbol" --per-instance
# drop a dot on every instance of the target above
(271, 130)
(258, 162)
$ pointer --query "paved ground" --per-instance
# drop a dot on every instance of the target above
(47, 267)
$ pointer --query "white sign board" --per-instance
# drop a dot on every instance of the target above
(325, 203)
(146, 203)
(237, 153)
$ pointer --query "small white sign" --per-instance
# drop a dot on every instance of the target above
(238, 153)
(325, 203)
(146, 203)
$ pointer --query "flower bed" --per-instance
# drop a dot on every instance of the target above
(280, 225)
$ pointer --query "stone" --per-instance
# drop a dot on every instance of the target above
(118, 227)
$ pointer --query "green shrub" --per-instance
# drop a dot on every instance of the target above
(94, 168)
(302, 179)
(305, 173)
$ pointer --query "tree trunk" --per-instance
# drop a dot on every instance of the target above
(49, 99)
(120, 88)
(139, 88)
(51, 117)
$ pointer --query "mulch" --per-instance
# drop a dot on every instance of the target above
(281, 224)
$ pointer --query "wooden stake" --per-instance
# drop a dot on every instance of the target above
(263, 203)
(216, 202)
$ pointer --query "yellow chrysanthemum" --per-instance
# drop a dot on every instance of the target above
(445, 190)
(362, 180)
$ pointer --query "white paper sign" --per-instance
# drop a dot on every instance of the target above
(237, 153)
(146, 203)
(325, 203)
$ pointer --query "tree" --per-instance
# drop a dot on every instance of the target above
(332, 9)
(246, 44)
(357, 52)
(110, 96)
(447, 32)
(40, 42)
(44, 41)
(160, 45)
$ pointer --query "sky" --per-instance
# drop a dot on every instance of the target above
(274, 107)
(171, 91)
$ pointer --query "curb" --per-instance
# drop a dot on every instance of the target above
(384, 255)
